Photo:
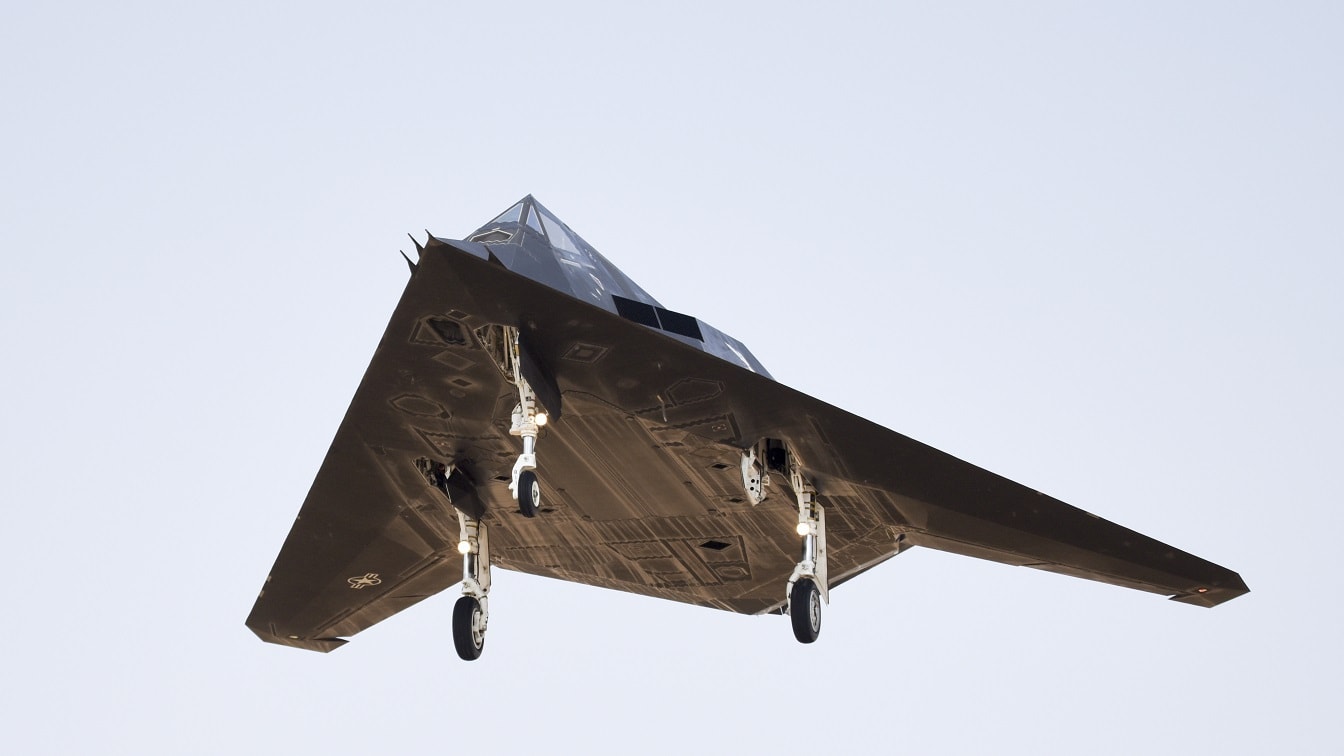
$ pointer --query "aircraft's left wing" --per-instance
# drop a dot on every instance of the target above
(358, 552)
(372, 537)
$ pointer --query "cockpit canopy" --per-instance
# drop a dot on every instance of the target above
(528, 212)
(527, 223)
(529, 240)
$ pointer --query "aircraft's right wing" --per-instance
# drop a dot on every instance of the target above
(945, 503)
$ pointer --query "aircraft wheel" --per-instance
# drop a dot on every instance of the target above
(805, 610)
(468, 628)
(529, 494)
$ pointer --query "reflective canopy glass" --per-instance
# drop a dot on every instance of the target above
(556, 231)
(533, 222)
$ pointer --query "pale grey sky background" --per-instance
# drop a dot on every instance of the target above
(1094, 248)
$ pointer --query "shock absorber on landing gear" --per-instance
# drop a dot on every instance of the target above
(527, 424)
(471, 613)
(503, 344)
(807, 585)
(807, 588)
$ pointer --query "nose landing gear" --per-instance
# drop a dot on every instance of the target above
(527, 423)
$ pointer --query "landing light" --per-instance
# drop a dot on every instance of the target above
(463, 547)
(541, 418)
(804, 528)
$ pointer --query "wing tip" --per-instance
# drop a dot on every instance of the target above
(324, 645)
(1214, 594)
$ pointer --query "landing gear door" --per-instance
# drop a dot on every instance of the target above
(543, 383)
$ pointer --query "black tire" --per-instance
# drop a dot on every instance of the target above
(529, 494)
(466, 618)
(805, 610)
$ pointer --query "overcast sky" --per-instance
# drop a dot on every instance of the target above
(1098, 250)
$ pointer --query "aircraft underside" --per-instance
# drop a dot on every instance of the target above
(531, 408)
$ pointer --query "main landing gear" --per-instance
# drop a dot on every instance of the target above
(807, 584)
(807, 587)
(471, 613)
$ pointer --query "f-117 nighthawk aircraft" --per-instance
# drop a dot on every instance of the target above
(532, 408)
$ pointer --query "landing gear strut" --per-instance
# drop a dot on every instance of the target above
(807, 588)
(471, 613)
(807, 584)
(527, 424)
